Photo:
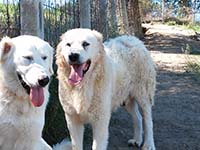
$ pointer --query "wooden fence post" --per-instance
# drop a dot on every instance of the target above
(85, 19)
(32, 22)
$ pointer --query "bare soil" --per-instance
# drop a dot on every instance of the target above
(176, 114)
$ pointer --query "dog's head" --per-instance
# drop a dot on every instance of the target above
(26, 63)
(80, 49)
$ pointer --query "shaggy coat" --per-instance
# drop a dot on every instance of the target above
(120, 71)
(25, 69)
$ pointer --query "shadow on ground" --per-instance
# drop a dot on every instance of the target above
(171, 43)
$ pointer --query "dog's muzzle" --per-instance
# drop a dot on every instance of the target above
(42, 82)
(35, 92)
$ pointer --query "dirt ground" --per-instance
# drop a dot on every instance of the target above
(176, 114)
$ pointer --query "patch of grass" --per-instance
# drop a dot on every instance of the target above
(193, 65)
(195, 27)
(174, 21)
(171, 23)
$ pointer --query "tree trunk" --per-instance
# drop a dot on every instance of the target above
(103, 20)
(134, 19)
(194, 11)
(85, 20)
(112, 18)
(163, 10)
(31, 18)
(122, 17)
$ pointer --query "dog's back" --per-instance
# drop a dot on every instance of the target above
(134, 69)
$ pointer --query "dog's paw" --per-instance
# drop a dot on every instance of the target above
(148, 147)
(133, 142)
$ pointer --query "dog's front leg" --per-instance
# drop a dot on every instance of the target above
(76, 129)
(100, 133)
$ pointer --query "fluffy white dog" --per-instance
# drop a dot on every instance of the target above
(25, 70)
(94, 79)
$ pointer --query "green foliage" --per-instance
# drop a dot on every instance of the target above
(170, 23)
(12, 9)
(147, 5)
(195, 27)
(112, 32)
(9, 20)
(55, 128)
(174, 21)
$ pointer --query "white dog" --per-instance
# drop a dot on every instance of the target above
(25, 70)
(94, 79)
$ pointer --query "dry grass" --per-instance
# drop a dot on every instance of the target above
(193, 65)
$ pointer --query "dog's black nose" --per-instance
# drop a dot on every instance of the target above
(43, 81)
(74, 57)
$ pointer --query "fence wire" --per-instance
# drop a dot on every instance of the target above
(59, 16)
(62, 15)
(9, 18)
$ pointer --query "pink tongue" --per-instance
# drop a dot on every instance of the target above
(76, 74)
(37, 96)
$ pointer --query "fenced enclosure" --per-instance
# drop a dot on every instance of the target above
(61, 15)
(58, 17)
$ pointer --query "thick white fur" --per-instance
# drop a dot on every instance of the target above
(21, 123)
(64, 145)
(121, 72)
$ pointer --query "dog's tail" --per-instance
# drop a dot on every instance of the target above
(64, 145)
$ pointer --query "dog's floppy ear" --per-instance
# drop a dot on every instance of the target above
(59, 57)
(6, 48)
(98, 36)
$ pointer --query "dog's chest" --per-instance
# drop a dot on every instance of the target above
(80, 103)
(20, 118)
(76, 103)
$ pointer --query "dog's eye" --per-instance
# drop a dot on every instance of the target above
(84, 44)
(28, 57)
(44, 57)
(68, 44)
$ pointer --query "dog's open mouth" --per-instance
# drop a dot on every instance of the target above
(77, 72)
(36, 94)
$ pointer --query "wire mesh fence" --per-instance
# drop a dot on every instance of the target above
(9, 18)
(59, 16)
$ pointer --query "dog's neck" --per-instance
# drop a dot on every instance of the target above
(13, 95)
